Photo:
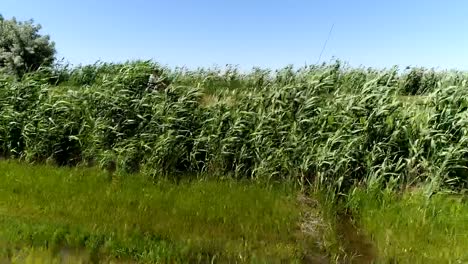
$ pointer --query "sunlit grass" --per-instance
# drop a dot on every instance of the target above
(414, 228)
(43, 206)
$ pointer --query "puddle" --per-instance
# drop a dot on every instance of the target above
(65, 255)
(82, 256)
(73, 255)
(358, 249)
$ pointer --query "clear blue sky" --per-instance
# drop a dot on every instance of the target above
(272, 33)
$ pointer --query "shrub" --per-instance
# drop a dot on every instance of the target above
(23, 48)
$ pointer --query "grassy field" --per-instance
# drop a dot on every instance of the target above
(130, 219)
(412, 228)
(84, 215)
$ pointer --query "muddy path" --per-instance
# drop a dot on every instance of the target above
(311, 227)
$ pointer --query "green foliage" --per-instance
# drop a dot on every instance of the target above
(329, 124)
(23, 48)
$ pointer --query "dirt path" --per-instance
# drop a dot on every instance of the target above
(311, 227)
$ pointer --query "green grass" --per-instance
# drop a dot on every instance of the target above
(411, 228)
(130, 218)
(77, 215)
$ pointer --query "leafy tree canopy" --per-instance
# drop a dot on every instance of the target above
(23, 48)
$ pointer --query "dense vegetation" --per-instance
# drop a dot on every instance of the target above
(327, 124)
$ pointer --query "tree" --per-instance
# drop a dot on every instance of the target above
(23, 48)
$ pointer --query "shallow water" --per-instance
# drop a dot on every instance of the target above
(358, 248)
(63, 255)
(68, 255)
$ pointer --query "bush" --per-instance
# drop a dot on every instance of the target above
(23, 48)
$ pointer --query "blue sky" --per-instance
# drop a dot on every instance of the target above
(254, 32)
